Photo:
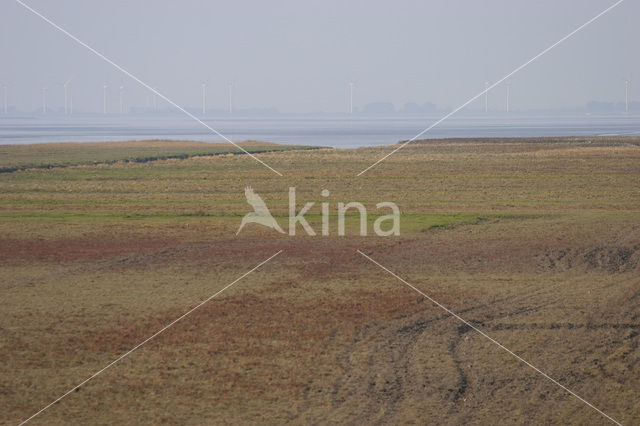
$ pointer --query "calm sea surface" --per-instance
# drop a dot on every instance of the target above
(321, 131)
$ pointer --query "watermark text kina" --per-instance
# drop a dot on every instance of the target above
(261, 215)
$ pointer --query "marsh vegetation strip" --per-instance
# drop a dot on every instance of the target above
(536, 242)
(21, 157)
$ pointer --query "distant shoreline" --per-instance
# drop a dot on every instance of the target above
(18, 157)
(341, 132)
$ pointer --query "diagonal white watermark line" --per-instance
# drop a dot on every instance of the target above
(492, 86)
(106, 59)
(150, 338)
(492, 340)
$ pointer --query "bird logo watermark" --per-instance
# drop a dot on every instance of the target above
(260, 213)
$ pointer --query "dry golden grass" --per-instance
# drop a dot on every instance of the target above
(538, 244)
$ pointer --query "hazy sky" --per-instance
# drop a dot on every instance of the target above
(299, 56)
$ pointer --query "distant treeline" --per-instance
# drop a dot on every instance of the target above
(377, 108)
(599, 106)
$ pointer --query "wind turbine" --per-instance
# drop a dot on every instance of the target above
(44, 100)
(351, 97)
(230, 98)
(104, 97)
(626, 95)
(154, 100)
(204, 98)
(121, 98)
(508, 94)
(486, 96)
(71, 105)
(66, 85)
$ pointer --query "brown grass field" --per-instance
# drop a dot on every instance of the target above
(535, 242)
